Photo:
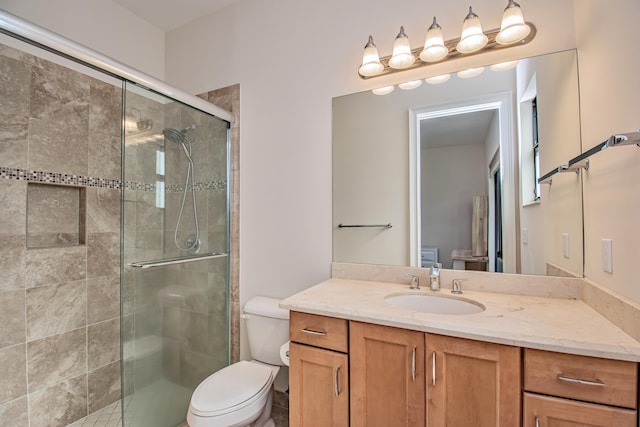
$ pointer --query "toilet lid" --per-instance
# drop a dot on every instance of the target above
(230, 386)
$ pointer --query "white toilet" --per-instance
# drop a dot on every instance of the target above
(241, 394)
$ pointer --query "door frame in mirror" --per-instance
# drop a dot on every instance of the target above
(503, 102)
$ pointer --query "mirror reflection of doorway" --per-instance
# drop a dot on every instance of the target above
(497, 221)
(457, 156)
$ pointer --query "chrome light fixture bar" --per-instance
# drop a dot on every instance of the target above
(514, 31)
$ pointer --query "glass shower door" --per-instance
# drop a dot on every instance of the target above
(175, 241)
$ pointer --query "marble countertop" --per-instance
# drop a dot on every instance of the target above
(554, 324)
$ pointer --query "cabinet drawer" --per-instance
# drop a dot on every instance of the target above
(553, 411)
(592, 379)
(319, 331)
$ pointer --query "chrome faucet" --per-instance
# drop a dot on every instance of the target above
(434, 277)
(456, 286)
(415, 282)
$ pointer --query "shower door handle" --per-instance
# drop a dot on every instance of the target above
(180, 260)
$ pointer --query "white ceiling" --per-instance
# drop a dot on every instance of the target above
(171, 14)
(460, 129)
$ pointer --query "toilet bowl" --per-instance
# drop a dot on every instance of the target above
(241, 394)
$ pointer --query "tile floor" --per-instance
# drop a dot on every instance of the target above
(108, 416)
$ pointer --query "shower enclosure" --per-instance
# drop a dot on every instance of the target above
(114, 267)
(175, 245)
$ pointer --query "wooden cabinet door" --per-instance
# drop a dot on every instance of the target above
(318, 387)
(472, 383)
(544, 411)
(387, 376)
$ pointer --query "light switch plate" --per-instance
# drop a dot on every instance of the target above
(607, 255)
(525, 236)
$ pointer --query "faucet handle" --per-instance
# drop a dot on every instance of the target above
(456, 286)
(415, 281)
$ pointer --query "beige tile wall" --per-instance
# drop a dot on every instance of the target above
(59, 303)
(60, 294)
(229, 99)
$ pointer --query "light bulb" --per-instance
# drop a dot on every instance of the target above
(410, 85)
(383, 90)
(503, 66)
(434, 48)
(401, 56)
(436, 80)
(513, 28)
(471, 72)
(371, 65)
(472, 38)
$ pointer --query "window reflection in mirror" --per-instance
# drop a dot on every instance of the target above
(372, 178)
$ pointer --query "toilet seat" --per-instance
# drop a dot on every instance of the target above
(232, 388)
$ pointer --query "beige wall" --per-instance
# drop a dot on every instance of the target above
(559, 210)
(290, 66)
(606, 33)
(450, 177)
(104, 26)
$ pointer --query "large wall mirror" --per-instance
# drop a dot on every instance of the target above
(448, 172)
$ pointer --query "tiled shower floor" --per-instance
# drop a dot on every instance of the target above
(151, 406)
(108, 416)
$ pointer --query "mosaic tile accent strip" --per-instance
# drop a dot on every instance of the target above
(84, 181)
(199, 186)
(57, 178)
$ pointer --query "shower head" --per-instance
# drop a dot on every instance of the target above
(177, 136)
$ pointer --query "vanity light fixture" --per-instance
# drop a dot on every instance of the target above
(472, 39)
(471, 72)
(504, 66)
(513, 31)
(434, 48)
(513, 27)
(410, 85)
(383, 90)
(436, 80)
(401, 57)
(371, 64)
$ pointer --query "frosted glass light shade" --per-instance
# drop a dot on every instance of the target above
(471, 72)
(436, 80)
(434, 48)
(513, 27)
(472, 38)
(401, 56)
(410, 85)
(383, 90)
(370, 60)
(504, 66)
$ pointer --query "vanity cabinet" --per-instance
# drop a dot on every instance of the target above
(349, 373)
(387, 376)
(563, 389)
(319, 371)
(472, 383)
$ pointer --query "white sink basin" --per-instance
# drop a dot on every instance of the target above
(436, 304)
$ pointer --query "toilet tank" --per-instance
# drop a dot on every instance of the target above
(267, 329)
